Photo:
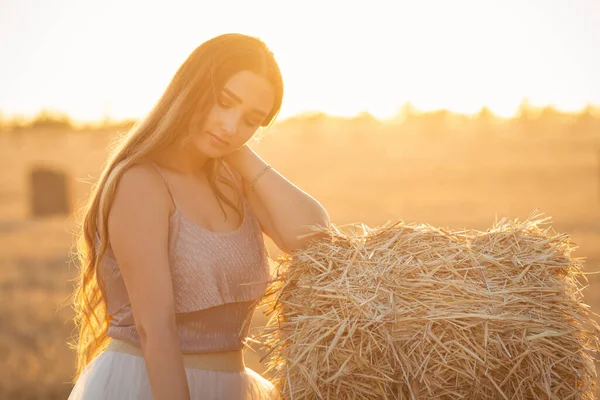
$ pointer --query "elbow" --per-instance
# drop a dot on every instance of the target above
(306, 236)
(159, 328)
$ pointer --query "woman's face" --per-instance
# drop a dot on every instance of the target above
(242, 106)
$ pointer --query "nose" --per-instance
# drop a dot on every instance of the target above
(229, 123)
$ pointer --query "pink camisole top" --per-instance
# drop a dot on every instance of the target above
(217, 279)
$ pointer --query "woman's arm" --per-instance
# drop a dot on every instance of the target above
(138, 231)
(283, 209)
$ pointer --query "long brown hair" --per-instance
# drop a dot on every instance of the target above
(188, 98)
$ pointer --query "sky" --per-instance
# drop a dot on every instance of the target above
(92, 59)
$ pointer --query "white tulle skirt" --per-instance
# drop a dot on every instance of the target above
(120, 376)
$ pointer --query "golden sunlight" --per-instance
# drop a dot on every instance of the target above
(455, 116)
(337, 58)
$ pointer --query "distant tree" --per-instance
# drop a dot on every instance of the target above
(361, 127)
(549, 119)
(17, 123)
(485, 115)
(550, 115)
(549, 111)
(525, 112)
(484, 121)
(586, 120)
(51, 120)
(311, 126)
(365, 117)
(526, 118)
(434, 123)
(588, 114)
(406, 114)
(308, 116)
(126, 124)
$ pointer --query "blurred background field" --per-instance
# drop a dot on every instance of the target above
(440, 168)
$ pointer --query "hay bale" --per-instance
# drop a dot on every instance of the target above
(417, 312)
(49, 192)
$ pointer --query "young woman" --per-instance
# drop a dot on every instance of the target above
(171, 248)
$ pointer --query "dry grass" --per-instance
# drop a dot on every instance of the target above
(417, 312)
(444, 181)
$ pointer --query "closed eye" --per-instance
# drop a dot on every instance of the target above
(252, 123)
(223, 102)
(236, 98)
(226, 103)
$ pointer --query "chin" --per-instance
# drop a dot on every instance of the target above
(210, 153)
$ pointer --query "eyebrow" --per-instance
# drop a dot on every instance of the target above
(239, 100)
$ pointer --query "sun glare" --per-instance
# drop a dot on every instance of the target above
(337, 58)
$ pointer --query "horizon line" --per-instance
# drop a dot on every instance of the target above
(54, 113)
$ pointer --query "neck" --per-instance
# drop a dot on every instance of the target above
(184, 160)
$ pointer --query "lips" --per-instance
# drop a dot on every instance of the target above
(218, 138)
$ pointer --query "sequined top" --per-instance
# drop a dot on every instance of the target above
(217, 279)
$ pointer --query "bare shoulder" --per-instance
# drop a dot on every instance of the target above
(142, 187)
(141, 205)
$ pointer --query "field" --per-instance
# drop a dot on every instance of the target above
(457, 174)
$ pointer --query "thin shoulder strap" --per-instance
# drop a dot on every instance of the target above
(162, 174)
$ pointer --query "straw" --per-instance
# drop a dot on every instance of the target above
(412, 311)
